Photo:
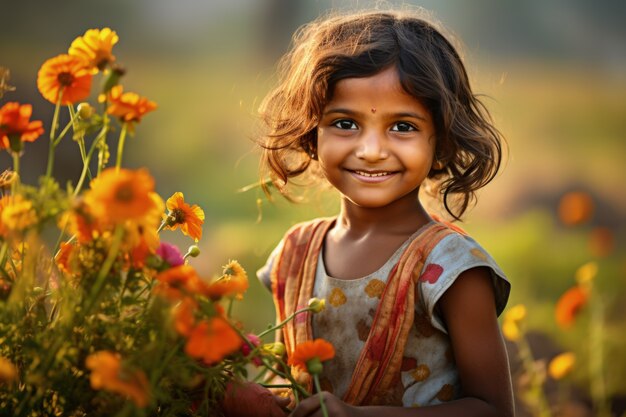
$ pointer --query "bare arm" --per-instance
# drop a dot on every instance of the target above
(468, 308)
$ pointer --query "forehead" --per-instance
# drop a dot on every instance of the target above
(381, 89)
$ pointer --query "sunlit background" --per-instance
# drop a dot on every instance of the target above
(554, 77)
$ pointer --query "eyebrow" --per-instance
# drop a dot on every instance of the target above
(357, 113)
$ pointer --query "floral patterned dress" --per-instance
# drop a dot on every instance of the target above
(428, 374)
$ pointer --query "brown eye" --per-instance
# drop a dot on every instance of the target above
(403, 127)
(345, 124)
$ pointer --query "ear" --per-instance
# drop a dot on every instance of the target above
(437, 165)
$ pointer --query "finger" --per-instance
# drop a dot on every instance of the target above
(307, 407)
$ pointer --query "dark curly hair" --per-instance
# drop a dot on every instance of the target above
(336, 47)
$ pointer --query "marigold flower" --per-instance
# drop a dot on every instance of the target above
(64, 259)
(586, 273)
(15, 122)
(575, 208)
(189, 217)
(79, 222)
(212, 340)
(16, 214)
(310, 354)
(120, 195)
(234, 281)
(561, 365)
(128, 107)
(512, 322)
(8, 371)
(95, 47)
(569, 305)
(178, 282)
(183, 316)
(66, 75)
(107, 373)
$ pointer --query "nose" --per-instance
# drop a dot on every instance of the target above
(372, 148)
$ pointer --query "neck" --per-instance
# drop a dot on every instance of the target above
(404, 217)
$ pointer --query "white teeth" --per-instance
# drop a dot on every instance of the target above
(372, 174)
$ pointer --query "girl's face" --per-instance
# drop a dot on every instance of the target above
(376, 143)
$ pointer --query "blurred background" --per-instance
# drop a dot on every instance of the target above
(553, 75)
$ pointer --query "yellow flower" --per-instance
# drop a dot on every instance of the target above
(8, 371)
(511, 325)
(561, 365)
(586, 273)
(16, 214)
(189, 217)
(234, 281)
(95, 47)
(120, 195)
(107, 373)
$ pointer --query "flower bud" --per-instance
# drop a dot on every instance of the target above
(85, 111)
(316, 305)
(193, 251)
(314, 366)
(276, 348)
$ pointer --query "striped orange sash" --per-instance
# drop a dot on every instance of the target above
(378, 367)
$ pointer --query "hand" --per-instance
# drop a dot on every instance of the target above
(311, 407)
(247, 399)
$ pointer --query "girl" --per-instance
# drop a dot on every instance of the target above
(379, 103)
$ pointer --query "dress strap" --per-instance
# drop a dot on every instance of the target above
(377, 370)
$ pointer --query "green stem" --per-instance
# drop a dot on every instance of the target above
(118, 234)
(16, 167)
(120, 146)
(316, 379)
(58, 139)
(269, 366)
(83, 174)
(536, 384)
(596, 359)
(53, 129)
(282, 323)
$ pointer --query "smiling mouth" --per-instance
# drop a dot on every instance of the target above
(373, 174)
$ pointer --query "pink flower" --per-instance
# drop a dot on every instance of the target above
(246, 349)
(170, 254)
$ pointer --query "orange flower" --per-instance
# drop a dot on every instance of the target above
(234, 281)
(178, 282)
(66, 75)
(570, 304)
(8, 371)
(108, 374)
(189, 218)
(211, 340)
(311, 353)
(121, 195)
(64, 259)
(95, 47)
(575, 208)
(183, 315)
(78, 221)
(561, 365)
(15, 122)
(129, 107)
